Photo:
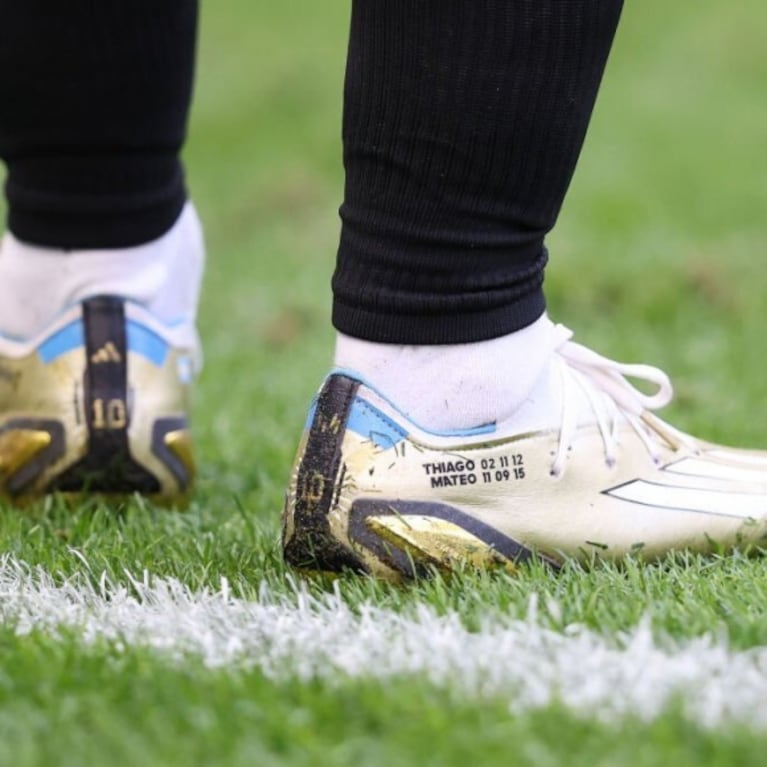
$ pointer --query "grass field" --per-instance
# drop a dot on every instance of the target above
(134, 636)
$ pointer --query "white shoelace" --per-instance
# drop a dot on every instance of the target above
(611, 397)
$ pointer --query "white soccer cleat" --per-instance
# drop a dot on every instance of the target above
(602, 475)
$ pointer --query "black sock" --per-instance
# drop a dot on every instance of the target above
(463, 123)
(95, 96)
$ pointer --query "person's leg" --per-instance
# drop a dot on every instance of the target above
(463, 124)
(461, 426)
(101, 263)
(95, 96)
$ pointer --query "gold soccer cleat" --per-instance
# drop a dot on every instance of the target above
(98, 404)
(373, 492)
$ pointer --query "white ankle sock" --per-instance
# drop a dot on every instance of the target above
(458, 386)
(37, 284)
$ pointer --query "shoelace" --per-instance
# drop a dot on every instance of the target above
(611, 397)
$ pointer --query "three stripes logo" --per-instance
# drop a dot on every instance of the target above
(107, 353)
(701, 485)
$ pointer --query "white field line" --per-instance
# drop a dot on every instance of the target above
(298, 636)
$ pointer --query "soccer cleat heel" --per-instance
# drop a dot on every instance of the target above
(98, 405)
(317, 479)
(331, 524)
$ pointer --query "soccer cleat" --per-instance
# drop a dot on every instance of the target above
(97, 404)
(603, 476)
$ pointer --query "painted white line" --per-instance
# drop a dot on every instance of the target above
(522, 662)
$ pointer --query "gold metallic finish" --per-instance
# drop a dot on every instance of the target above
(437, 542)
(180, 444)
(18, 446)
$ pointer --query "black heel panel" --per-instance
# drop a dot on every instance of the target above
(108, 466)
(312, 544)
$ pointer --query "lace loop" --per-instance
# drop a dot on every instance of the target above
(609, 394)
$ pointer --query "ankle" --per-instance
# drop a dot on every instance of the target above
(164, 276)
(451, 387)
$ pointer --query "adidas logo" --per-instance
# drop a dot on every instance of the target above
(107, 353)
